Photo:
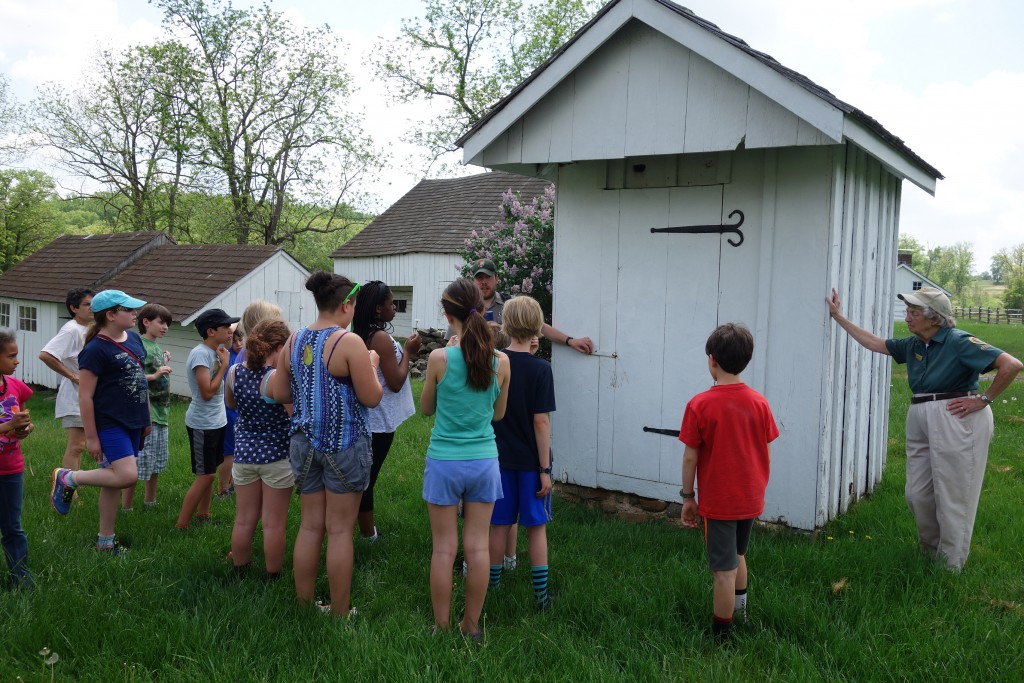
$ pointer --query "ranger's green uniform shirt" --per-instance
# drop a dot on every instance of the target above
(952, 360)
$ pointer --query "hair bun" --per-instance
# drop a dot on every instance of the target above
(318, 280)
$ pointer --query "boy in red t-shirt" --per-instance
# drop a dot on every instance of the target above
(727, 431)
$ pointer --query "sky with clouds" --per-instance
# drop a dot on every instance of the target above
(947, 76)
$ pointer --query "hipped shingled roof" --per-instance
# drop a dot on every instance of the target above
(437, 216)
(769, 61)
(147, 265)
(76, 261)
(186, 277)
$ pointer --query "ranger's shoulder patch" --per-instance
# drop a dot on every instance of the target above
(982, 345)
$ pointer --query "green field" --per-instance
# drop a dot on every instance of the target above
(854, 602)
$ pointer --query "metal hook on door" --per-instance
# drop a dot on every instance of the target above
(710, 229)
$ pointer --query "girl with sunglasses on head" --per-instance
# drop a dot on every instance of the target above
(330, 379)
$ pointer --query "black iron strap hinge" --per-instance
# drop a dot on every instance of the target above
(710, 229)
(659, 430)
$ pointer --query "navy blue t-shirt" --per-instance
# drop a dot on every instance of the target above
(121, 398)
(531, 391)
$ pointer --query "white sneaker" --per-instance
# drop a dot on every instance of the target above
(511, 563)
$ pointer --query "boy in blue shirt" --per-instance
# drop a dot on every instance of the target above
(524, 447)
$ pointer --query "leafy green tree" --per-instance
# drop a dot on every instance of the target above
(1011, 266)
(916, 249)
(116, 131)
(27, 220)
(9, 116)
(470, 53)
(267, 105)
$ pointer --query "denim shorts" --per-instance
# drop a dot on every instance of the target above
(118, 442)
(520, 500)
(446, 482)
(344, 472)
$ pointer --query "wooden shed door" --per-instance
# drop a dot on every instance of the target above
(668, 294)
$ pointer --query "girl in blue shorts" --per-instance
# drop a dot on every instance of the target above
(466, 386)
(114, 398)
(330, 379)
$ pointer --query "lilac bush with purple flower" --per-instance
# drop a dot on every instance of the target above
(521, 244)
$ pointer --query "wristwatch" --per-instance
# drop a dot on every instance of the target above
(687, 496)
(985, 398)
(544, 470)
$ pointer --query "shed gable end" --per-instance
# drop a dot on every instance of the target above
(643, 93)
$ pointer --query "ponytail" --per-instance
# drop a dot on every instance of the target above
(263, 340)
(463, 301)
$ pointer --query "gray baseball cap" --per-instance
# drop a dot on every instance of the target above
(930, 297)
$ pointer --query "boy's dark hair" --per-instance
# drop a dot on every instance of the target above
(152, 312)
(732, 347)
(74, 298)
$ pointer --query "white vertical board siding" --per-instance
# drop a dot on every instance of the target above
(279, 280)
(642, 93)
(862, 272)
(50, 317)
(585, 281)
(426, 274)
(793, 351)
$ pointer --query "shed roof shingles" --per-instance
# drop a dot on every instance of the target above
(72, 261)
(437, 216)
(186, 277)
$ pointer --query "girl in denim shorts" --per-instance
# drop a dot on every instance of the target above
(466, 385)
(330, 378)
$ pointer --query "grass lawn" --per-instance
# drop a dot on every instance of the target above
(632, 602)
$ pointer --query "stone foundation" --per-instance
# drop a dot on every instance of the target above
(627, 506)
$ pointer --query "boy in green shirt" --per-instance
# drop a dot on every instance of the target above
(153, 322)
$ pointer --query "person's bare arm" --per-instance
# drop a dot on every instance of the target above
(581, 344)
(360, 364)
(395, 373)
(435, 371)
(86, 389)
(280, 386)
(504, 372)
(52, 362)
(688, 516)
(868, 340)
(542, 430)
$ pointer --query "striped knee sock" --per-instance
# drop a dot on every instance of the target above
(540, 583)
(495, 576)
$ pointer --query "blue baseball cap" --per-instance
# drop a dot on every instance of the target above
(109, 298)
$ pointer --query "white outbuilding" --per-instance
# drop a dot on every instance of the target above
(909, 280)
(702, 182)
(413, 246)
(186, 278)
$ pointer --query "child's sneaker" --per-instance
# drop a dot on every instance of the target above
(117, 548)
(60, 494)
(511, 563)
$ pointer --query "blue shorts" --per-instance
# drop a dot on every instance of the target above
(229, 433)
(446, 482)
(344, 472)
(118, 442)
(520, 500)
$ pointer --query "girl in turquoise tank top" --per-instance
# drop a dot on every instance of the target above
(330, 379)
(467, 387)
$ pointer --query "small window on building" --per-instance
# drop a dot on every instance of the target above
(917, 285)
(400, 305)
(5, 315)
(27, 318)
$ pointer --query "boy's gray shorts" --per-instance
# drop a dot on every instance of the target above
(71, 422)
(726, 540)
(344, 472)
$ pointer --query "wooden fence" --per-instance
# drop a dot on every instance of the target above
(996, 316)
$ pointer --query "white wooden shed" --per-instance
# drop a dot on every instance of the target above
(652, 118)
(186, 278)
(413, 245)
(909, 280)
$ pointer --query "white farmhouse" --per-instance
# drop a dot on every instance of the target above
(412, 246)
(702, 182)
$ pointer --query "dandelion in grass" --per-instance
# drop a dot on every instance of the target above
(828, 538)
(868, 537)
(851, 532)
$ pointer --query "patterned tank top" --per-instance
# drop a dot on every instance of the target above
(262, 430)
(325, 407)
